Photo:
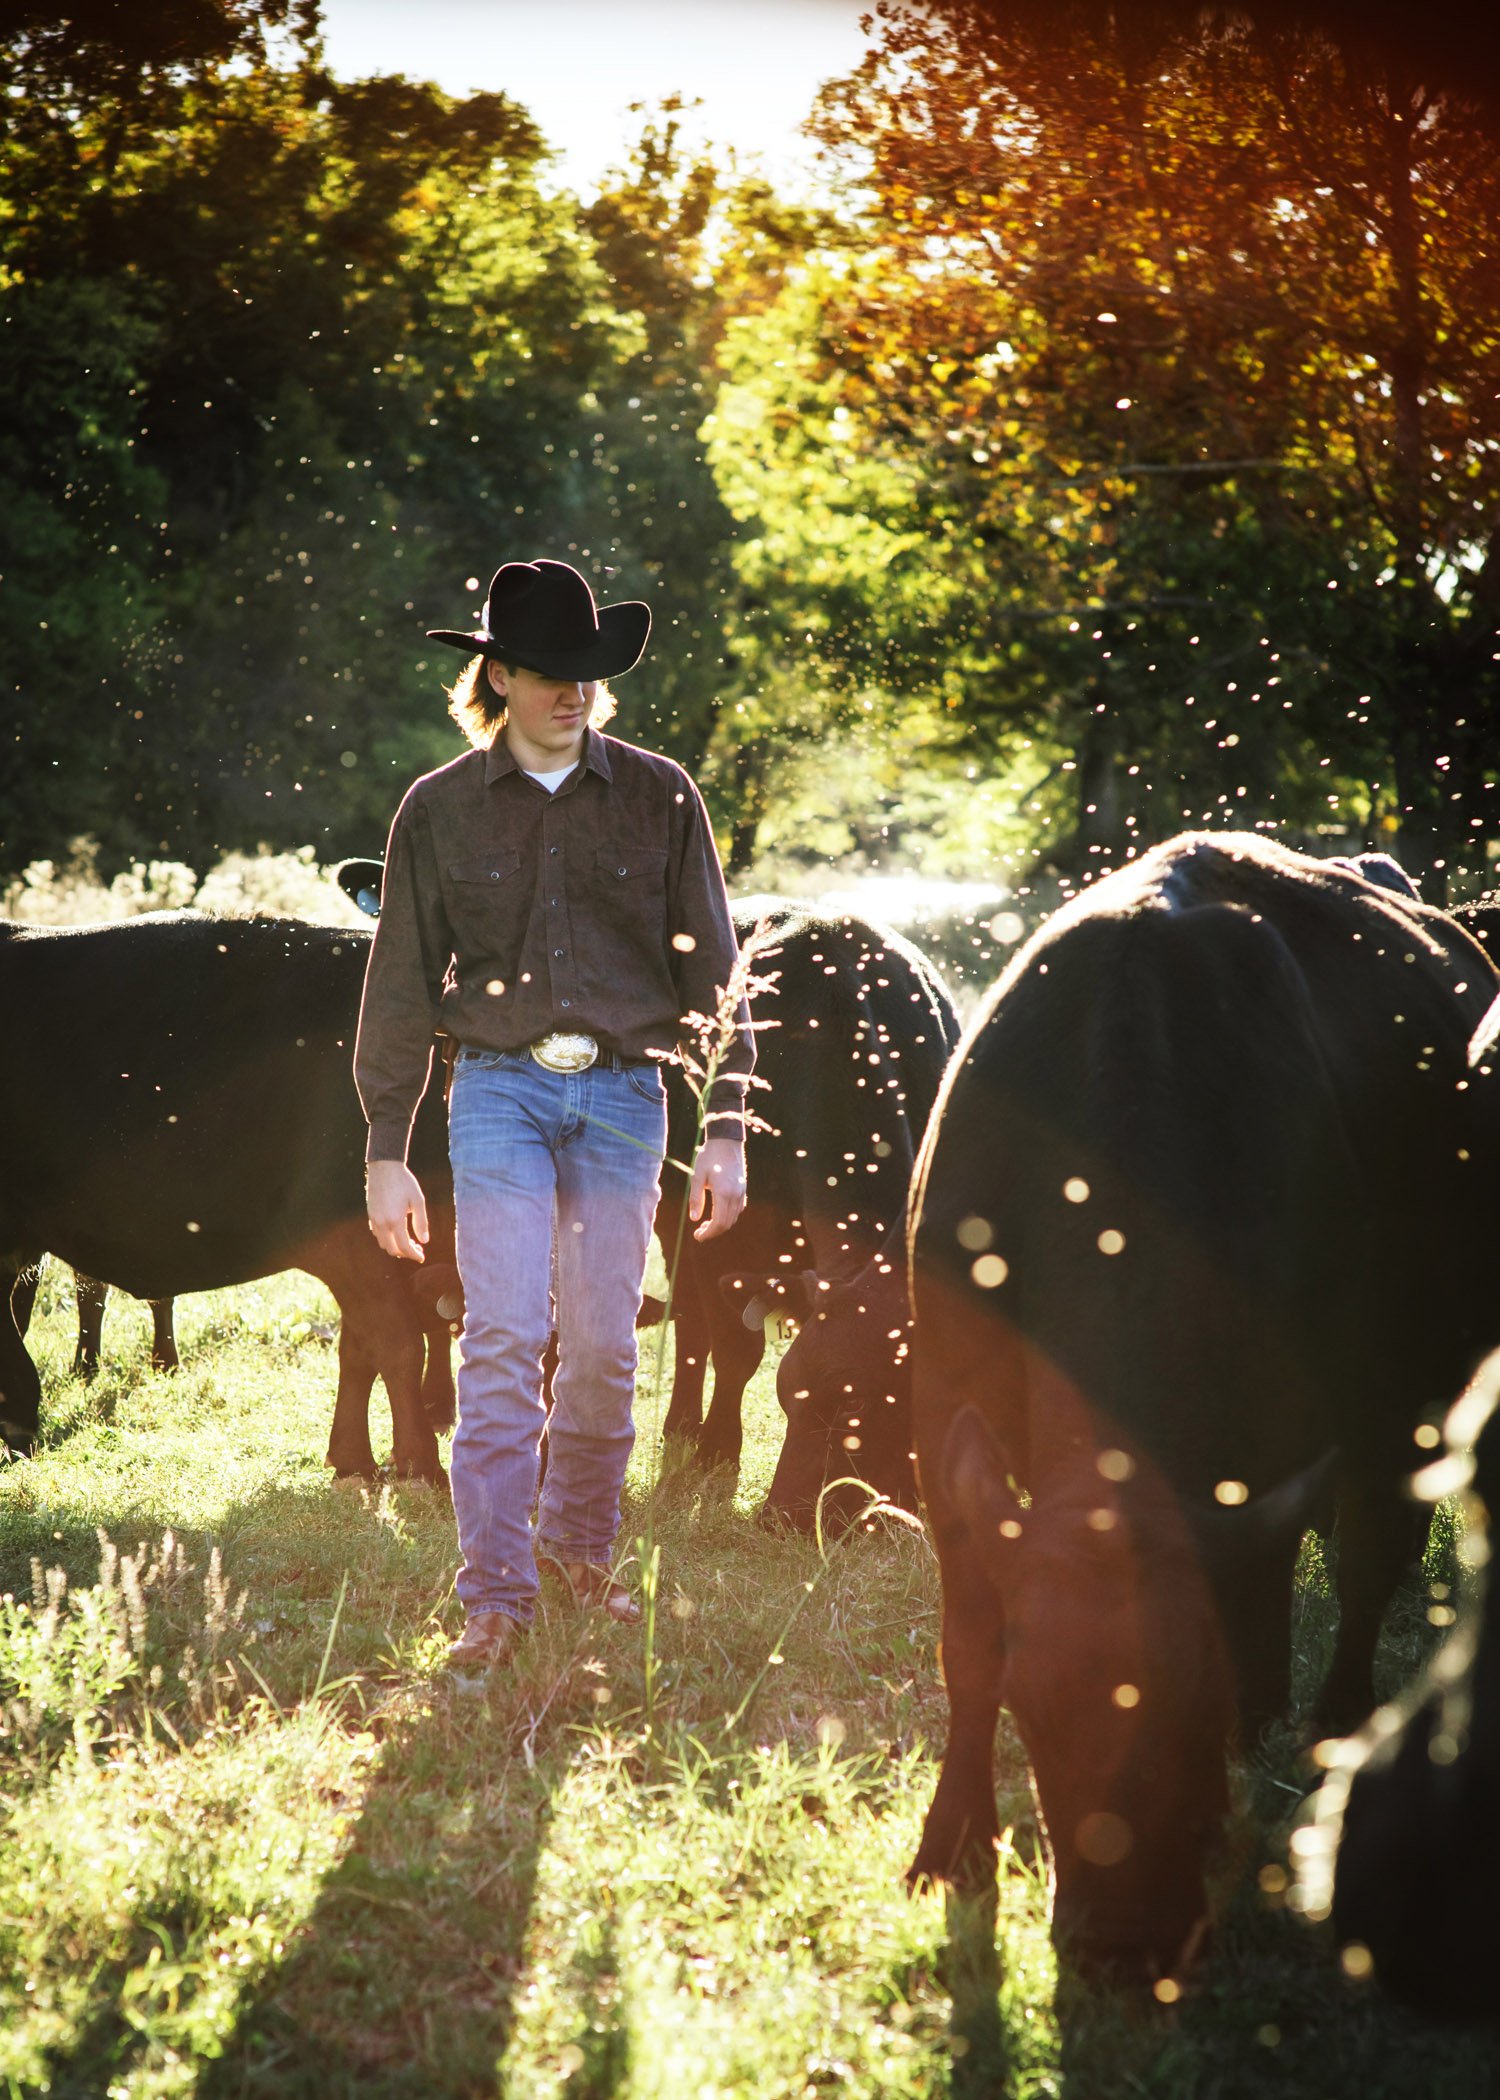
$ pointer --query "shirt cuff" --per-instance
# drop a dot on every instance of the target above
(387, 1141)
(724, 1111)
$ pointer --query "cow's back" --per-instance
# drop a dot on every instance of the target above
(853, 1032)
(176, 1098)
(1260, 1097)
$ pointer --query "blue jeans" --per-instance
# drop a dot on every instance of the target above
(543, 1158)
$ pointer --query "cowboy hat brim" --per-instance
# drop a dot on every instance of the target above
(614, 650)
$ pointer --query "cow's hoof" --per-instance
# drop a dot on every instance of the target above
(357, 1476)
(782, 1522)
(421, 1476)
(16, 1442)
(717, 1458)
(972, 1873)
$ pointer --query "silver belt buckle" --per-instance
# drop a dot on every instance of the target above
(560, 1052)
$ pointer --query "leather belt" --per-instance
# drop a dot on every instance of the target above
(562, 1051)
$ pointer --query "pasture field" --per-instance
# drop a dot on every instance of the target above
(256, 1844)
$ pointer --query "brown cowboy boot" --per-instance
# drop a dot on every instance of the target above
(487, 1639)
(594, 1586)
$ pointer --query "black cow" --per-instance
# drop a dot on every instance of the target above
(177, 1113)
(853, 1031)
(1404, 1845)
(1200, 1233)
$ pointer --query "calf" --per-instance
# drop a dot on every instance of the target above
(1199, 1235)
(177, 1113)
(1404, 1842)
(853, 1031)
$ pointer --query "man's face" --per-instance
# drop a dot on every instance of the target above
(549, 713)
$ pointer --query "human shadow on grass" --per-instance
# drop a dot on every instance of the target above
(597, 2064)
(979, 2040)
(401, 1977)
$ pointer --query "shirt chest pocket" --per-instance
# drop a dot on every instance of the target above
(484, 899)
(630, 883)
(621, 865)
(484, 868)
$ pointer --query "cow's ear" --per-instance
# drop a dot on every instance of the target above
(753, 1297)
(1271, 1526)
(759, 1297)
(438, 1290)
(975, 1481)
(360, 882)
(797, 1294)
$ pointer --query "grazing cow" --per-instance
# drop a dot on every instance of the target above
(1199, 1233)
(853, 1031)
(1404, 1842)
(177, 1113)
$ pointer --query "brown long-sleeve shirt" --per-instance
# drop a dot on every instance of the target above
(507, 912)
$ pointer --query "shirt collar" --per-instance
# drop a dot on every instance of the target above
(499, 759)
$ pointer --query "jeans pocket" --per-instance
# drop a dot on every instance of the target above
(645, 1080)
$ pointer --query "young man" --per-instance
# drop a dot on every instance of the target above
(553, 901)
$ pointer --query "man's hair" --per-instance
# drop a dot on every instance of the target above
(479, 710)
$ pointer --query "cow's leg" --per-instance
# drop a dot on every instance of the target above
(737, 1351)
(379, 1327)
(690, 1341)
(20, 1388)
(92, 1297)
(164, 1355)
(439, 1403)
(349, 1452)
(962, 1829)
(23, 1291)
(1380, 1535)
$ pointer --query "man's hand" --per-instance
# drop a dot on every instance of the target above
(718, 1182)
(397, 1208)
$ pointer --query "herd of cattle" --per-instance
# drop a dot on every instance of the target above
(1182, 1246)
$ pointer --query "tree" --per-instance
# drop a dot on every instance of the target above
(313, 340)
(1187, 334)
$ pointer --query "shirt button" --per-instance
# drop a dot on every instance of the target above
(495, 874)
(619, 871)
(565, 1002)
(551, 849)
(557, 952)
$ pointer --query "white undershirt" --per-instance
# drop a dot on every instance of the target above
(550, 781)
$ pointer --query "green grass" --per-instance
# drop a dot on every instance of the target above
(256, 1844)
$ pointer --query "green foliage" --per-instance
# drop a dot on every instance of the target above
(1154, 420)
(297, 358)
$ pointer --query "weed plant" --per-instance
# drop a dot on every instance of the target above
(255, 1842)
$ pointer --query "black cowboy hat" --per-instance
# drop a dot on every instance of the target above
(542, 614)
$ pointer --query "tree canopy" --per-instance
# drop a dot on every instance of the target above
(1168, 358)
(1116, 447)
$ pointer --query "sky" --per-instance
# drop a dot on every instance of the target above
(577, 65)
